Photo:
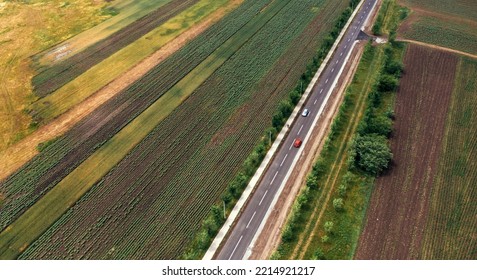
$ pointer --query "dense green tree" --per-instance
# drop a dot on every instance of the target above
(387, 83)
(372, 153)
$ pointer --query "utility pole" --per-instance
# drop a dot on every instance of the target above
(224, 208)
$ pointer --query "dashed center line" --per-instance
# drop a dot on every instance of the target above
(315, 101)
(300, 130)
(332, 70)
(284, 159)
(326, 81)
(236, 245)
(251, 219)
(337, 62)
(321, 90)
(341, 54)
(261, 200)
(276, 173)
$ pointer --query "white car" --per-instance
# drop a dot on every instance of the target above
(305, 113)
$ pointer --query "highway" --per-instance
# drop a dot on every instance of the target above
(238, 244)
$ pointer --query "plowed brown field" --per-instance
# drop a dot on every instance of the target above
(399, 205)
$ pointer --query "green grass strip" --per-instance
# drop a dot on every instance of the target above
(17, 237)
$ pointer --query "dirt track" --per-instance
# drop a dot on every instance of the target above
(399, 205)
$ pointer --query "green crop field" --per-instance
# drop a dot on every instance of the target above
(451, 24)
(147, 172)
(452, 221)
(99, 75)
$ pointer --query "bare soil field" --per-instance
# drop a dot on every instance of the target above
(400, 203)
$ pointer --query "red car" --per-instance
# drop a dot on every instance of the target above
(297, 143)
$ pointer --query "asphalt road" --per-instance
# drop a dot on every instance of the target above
(241, 237)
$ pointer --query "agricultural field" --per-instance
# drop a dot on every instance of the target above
(146, 155)
(424, 208)
(123, 12)
(26, 29)
(451, 24)
(102, 73)
(52, 78)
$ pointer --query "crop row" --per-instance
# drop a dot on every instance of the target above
(451, 221)
(59, 74)
(35, 178)
(181, 168)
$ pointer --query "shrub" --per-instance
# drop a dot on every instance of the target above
(338, 204)
(329, 227)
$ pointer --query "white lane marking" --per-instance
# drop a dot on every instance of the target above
(336, 61)
(290, 146)
(300, 130)
(349, 39)
(326, 81)
(341, 54)
(321, 90)
(276, 173)
(315, 101)
(332, 70)
(283, 160)
(251, 219)
(236, 247)
(346, 46)
(261, 200)
(352, 33)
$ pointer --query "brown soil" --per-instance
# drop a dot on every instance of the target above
(439, 48)
(20, 153)
(271, 233)
(399, 204)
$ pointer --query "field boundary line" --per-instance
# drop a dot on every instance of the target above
(219, 238)
(437, 47)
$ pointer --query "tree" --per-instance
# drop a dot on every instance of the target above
(285, 107)
(372, 153)
(338, 204)
(380, 124)
(329, 227)
(312, 182)
(342, 190)
(277, 120)
(394, 68)
(218, 214)
(387, 83)
(294, 97)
